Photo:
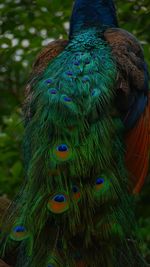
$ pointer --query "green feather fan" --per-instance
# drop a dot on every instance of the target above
(75, 203)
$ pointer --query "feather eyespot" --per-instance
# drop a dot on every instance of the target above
(53, 91)
(19, 233)
(87, 62)
(59, 198)
(67, 99)
(19, 229)
(62, 148)
(76, 63)
(93, 92)
(69, 73)
(75, 189)
(85, 79)
(58, 203)
(99, 183)
(76, 193)
(62, 152)
(48, 81)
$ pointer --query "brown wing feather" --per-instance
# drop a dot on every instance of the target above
(47, 54)
(129, 58)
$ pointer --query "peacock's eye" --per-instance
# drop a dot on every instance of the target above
(87, 61)
(96, 93)
(19, 233)
(62, 152)
(76, 193)
(19, 229)
(93, 92)
(85, 79)
(48, 81)
(62, 148)
(67, 99)
(75, 189)
(69, 73)
(53, 91)
(99, 181)
(99, 184)
(59, 198)
(76, 63)
(58, 203)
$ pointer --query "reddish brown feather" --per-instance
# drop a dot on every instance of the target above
(81, 264)
(51, 51)
(137, 150)
(140, 148)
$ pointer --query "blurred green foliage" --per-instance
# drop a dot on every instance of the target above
(27, 26)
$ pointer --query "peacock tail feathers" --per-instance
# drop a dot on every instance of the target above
(74, 208)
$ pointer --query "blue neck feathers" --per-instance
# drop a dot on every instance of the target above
(92, 13)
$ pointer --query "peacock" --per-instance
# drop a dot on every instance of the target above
(86, 148)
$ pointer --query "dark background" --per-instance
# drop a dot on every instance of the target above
(26, 27)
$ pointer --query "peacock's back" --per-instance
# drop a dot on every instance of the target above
(86, 147)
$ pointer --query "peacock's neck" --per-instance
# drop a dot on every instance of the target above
(92, 13)
(86, 40)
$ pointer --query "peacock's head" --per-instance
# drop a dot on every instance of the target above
(87, 13)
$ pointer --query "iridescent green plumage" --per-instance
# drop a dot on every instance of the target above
(75, 203)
